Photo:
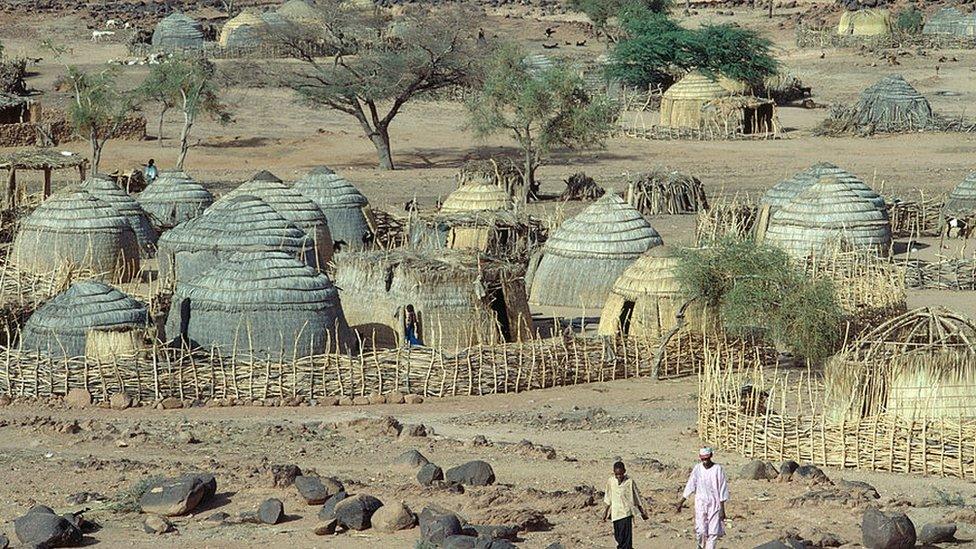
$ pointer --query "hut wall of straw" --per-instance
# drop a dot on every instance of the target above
(866, 22)
(501, 234)
(172, 199)
(683, 103)
(177, 32)
(244, 31)
(105, 189)
(946, 21)
(892, 105)
(345, 208)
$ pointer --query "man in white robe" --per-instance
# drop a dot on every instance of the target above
(711, 490)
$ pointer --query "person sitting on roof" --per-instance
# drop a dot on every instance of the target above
(151, 171)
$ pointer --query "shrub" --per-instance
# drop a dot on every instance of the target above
(909, 20)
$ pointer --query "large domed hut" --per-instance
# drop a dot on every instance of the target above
(245, 31)
(177, 32)
(345, 208)
(587, 253)
(174, 198)
(683, 104)
(89, 319)
(961, 202)
(787, 190)
(75, 230)
(243, 223)
(717, 105)
(106, 189)
(827, 215)
(459, 299)
(480, 196)
(265, 304)
(891, 105)
(865, 22)
(945, 22)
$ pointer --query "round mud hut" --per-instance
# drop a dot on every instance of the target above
(345, 208)
(246, 31)
(961, 202)
(785, 191)
(174, 198)
(89, 319)
(263, 304)
(483, 196)
(75, 230)
(177, 32)
(683, 104)
(105, 189)
(892, 105)
(866, 22)
(243, 223)
(827, 215)
(587, 253)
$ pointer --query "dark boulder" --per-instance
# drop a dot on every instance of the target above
(472, 473)
(437, 524)
(428, 474)
(882, 531)
(355, 513)
(758, 470)
(327, 512)
(271, 511)
(932, 533)
(41, 528)
(171, 497)
(315, 490)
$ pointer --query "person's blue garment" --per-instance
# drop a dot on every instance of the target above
(151, 173)
(411, 336)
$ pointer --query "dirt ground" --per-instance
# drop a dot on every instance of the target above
(648, 424)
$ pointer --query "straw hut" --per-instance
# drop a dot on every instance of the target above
(247, 30)
(105, 189)
(242, 223)
(647, 297)
(75, 230)
(294, 207)
(266, 304)
(961, 202)
(89, 319)
(460, 299)
(483, 196)
(826, 214)
(345, 208)
(919, 365)
(945, 22)
(867, 22)
(299, 11)
(785, 191)
(587, 253)
(177, 32)
(172, 199)
(892, 105)
(683, 103)
(499, 234)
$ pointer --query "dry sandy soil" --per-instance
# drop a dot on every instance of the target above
(650, 425)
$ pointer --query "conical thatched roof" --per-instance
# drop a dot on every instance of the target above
(682, 103)
(342, 204)
(655, 272)
(104, 188)
(60, 327)
(826, 214)
(75, 229)
(177, 32)
(945, 21)
(174, 198)
(785, 191)
(865, 22)
(244, 31)
(481, 196)
(265, 175)
(265, 303)
(243, 223)
(299, 11)
(892, 104)
(961, 201)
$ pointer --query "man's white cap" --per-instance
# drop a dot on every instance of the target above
(705, 451)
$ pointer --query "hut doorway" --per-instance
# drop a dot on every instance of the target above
(496, 300)
(626, 314)
(758, 119)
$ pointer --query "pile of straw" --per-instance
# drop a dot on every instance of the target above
(664, 191)
(505, 174)
(728, 218)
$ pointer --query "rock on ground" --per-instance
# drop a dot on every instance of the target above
(787, 468)
(41, 527)
(155, 524)
(758, 470)
(283, 475)
(488, 543)
(392, 517)
(315, 490)
(411, 459)
(355, 512)
(78, 398)
(173, 497)
(271, 511)
(429, 473)
(932, 533)
(502, 531)
(887, 531)
(438, 524)
(459, 542)
(327, 512)
(472, 473)
(120, 401)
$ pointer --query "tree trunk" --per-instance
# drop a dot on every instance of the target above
(770, 9)
(184, 140)
(679, 323)
(159, 133)
(380, 137)
(96, 156)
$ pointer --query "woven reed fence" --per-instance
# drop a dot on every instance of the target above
(945, 273)
(807, 37)
(780, 415)
(916, 217)
(639, 128)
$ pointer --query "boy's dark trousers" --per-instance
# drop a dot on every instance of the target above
(623, 532)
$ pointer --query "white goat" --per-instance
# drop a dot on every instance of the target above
(99, 34)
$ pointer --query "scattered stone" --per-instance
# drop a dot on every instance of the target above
(472, 473)
(120, 401)
(758, 470)
(355, 512)
(411, 459)
(4, 542)
(173, 497)
(45, 529)
(414, 430)
(360, 401)
(429, 473)
(316, 490)
(459, 542)
(505, 531)
(413, 399)
(246, 517)
(386, 426)
(155, 524)
(328, 401)
(344, 401)
(81, 498)
(787, 468)
(394, 398)
(209, 484)
(932, 533)
(326, 528)
(327, 512)
(487, 543)
(271, 511)
(393, 517)
(187, 437)
(284, 475)
(881, 531)
(480, 440)
(782, 544)
(5, 400)
(217, 517)
(438, 524)
(78, 398)
(171, 403)
(376, 399)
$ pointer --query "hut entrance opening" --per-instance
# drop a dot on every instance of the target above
(758, 118)
(496, 300)
(626, 313)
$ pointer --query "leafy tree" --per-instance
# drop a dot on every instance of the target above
(540, 109)
(735, 52)
(910, 20)
(600, 12)
(379, 64)
(161, 86)
(98, 107)
(190, 84)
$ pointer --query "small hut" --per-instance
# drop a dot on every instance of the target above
(177, 32)
(245, 31)
(785, 191)
(299, 11)
(40, 159)
(945, 22)
(345, 208)
(892, 105)
(243, 223)
(460, 299)
(961, 202)
(104, 188)
(826, 214)
(75, 230)
(265, 304)
(499, 234)
(587, 253)
(664, 191)
(172, 199)
(482, 196)
(89, 319)
(682, 105)
(866, 22)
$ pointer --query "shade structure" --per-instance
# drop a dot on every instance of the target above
(177, 32)
(587, 253)
(866, 22)
(79, 321)
(243, 223)
(247, 30)
(294, 207)
(345, 208)
(683, 104)
(826, 215)
(173, 198)
(265, 304)
(961, 201)
(785, 191)
(474, 197)
(105, 189)
(299, 11)
(74, 229)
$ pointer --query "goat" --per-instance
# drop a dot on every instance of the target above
(111, 24)
(99, 34)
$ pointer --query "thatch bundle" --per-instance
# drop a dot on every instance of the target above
(345, 208)
(105, 189)
(866, 22)
(786, 191)
(247, 30)
(75, 230)
(587, 253)
(177, 32)
(683, 104)
(501, 234)
(825, 214)
(961, 202)
(242, 223)
(888, 106)
(89, 319)
(664, 191)
(460, 299)
(174, 198)
(477, 196)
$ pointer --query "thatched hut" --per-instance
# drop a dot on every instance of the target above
(646, 299)
(345, 208)
(265, 304)
(866, 22)
(460, 299)
(944, 22)
(961, 202)
(787, 190)
(247, 30)
(104, 188)
(587, 253)
(682, 105)
(719, 106)
(892, 105)
(825, 215)
(75, 230)
(299, 11)
(90, 319)
(500, 234)
(177, 32)
(174, 198)
(481, 196)
(536, 64)
(242, 223)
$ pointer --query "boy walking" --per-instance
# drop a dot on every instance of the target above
(622, 500)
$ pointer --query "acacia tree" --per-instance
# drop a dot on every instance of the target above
(196, 93)
(160, 86)
(540, 109)
(601, 12)
(98, 107)
(376, 65)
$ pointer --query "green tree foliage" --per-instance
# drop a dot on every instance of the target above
(98, 107)
(757, 288)
(195, 93)
(600, 12)
(161, 86)
(540, 109)
(910, 20)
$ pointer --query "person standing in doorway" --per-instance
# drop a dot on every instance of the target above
(151, 172)
(410, 327)
(711, 490)
(622, 500)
